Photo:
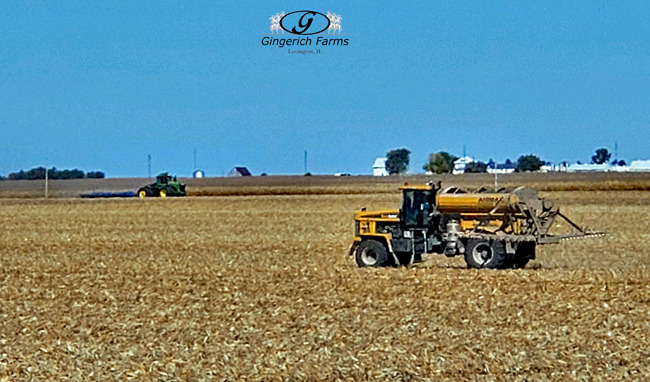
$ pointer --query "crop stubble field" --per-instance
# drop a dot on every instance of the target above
(260, 287)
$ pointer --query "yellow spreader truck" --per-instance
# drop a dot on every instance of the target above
(491, 229)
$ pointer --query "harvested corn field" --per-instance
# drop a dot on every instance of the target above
(261, 288)
(326, 185)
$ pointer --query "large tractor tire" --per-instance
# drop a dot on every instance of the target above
(489, 254)
(145, 192)
(371, 253)
(163, 193)
(525, 252)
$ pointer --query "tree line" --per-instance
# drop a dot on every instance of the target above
(53, 173)
(442, 162)
(602, 156)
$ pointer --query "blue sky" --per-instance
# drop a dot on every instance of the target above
(100, 85)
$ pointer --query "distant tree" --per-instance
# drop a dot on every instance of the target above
(450, 159)
(38, 173)
(16, 175)
(508, 162)
(475, 167)
(440, 163)
(621, 162)
(95, 175)
(35, 173)
(397, 161)
(308, 174)
(528, 163)
(491, 164)
(618, 162)
(66, 174)
(437, 164)
(601, 156)
(53, 173)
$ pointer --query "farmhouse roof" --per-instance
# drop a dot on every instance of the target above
(379, 163)
(239, 171)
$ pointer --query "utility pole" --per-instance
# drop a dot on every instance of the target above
(496, 180)
(195, 159)
(305, 161)
(149, 164)
(46, 178)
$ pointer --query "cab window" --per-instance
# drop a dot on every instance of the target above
(416, 208)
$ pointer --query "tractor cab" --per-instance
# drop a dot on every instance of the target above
(418, 205)
(163, 178)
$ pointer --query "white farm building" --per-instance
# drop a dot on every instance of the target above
(461, 163)
(639, 165)
(379, 167)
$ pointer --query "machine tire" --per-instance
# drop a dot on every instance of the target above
(142, 193)
(525, 252)
(520, 262)
(371, 253)
(163, 193)
(489, 254)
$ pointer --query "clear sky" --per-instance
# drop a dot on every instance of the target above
(99, 85)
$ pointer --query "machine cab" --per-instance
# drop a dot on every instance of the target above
(163, 178)
(418, 206)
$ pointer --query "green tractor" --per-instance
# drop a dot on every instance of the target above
(166, 185)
